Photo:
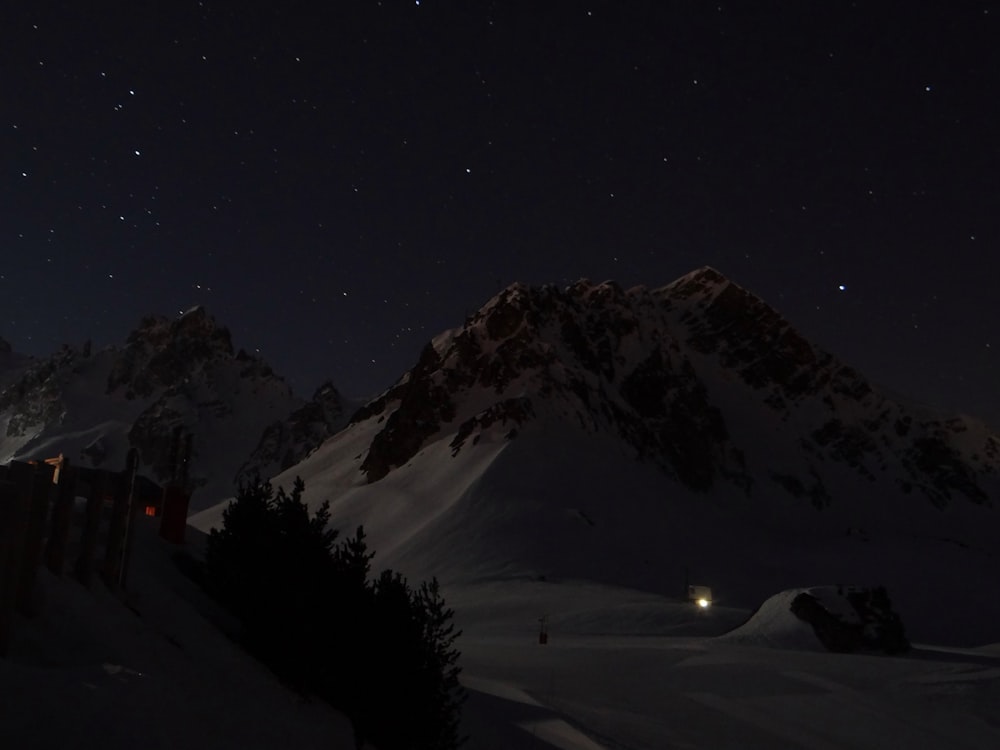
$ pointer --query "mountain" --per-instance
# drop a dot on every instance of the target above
(286, 442)
(171, 373)
(628, 436)
(678, 374)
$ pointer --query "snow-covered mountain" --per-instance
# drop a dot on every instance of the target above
(182, 372)
(568, 458)
(286, 442)
(627, 436)
(689, 376)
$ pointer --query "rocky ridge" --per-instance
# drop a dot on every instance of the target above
(286, 442)
(170, 373)
(686, 375)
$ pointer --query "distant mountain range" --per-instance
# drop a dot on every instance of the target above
(700, 377)
(93, 406)
(640, 437)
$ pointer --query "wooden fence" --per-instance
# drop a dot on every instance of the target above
(72, 520)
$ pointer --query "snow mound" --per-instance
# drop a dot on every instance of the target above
(835, 618)
(775, 625)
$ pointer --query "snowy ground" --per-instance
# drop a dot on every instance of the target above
(605, 680)
(93, 672)
(622, 669)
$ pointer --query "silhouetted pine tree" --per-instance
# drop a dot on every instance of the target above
(302, 603)
(353, 560)
(392, 703)
(347, 624)
(271, 565)
(440, 669)
(236, 555)
(411, 695)
(381, 651)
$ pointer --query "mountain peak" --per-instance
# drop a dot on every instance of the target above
(593, 352)
(684, 376)
(160, 350)
(171, 373)
(196, 322)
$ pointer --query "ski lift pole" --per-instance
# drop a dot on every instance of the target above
(131, 469)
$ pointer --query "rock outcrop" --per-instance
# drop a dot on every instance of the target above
(700, 377)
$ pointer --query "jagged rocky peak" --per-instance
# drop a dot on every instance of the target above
(705, 282)
(595, 354)
(329, 399)
(288, 441)
(719, 311)
(161, 351)
(718, 317)
(520, 304)
(194, 325)
(683, 374)
(525, 330)
(35, 395)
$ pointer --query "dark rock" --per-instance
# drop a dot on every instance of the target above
(161, 352)
(634, 363)
(875, 627)
(286, 442)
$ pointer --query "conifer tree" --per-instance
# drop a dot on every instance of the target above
(441, 670)
(379, 650)
(353, 559)
(236, 554)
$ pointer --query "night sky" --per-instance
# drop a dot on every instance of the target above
(338, 182)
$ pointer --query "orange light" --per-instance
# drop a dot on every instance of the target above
(150, 510)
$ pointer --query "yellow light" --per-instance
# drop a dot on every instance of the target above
(703, 603)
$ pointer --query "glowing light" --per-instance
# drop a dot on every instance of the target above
(703, 603)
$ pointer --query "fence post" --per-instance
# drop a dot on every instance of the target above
(176, 492)
(62, 515)
(13, 518)
(131, 469)
(40, 479)
(91, 527)
(114, 550)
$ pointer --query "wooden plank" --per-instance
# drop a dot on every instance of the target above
(88, 544)
(131, 471)
(62, 516)
(111, 566)
(114, 550)
(42, 490)
(13, 517)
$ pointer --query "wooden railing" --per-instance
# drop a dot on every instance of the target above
(60, 515)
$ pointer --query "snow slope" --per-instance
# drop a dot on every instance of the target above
(625, 437)
(580, 693)
(580, 455)
(621, 669)
(180, 373)
(562, 505)
(93, 672)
